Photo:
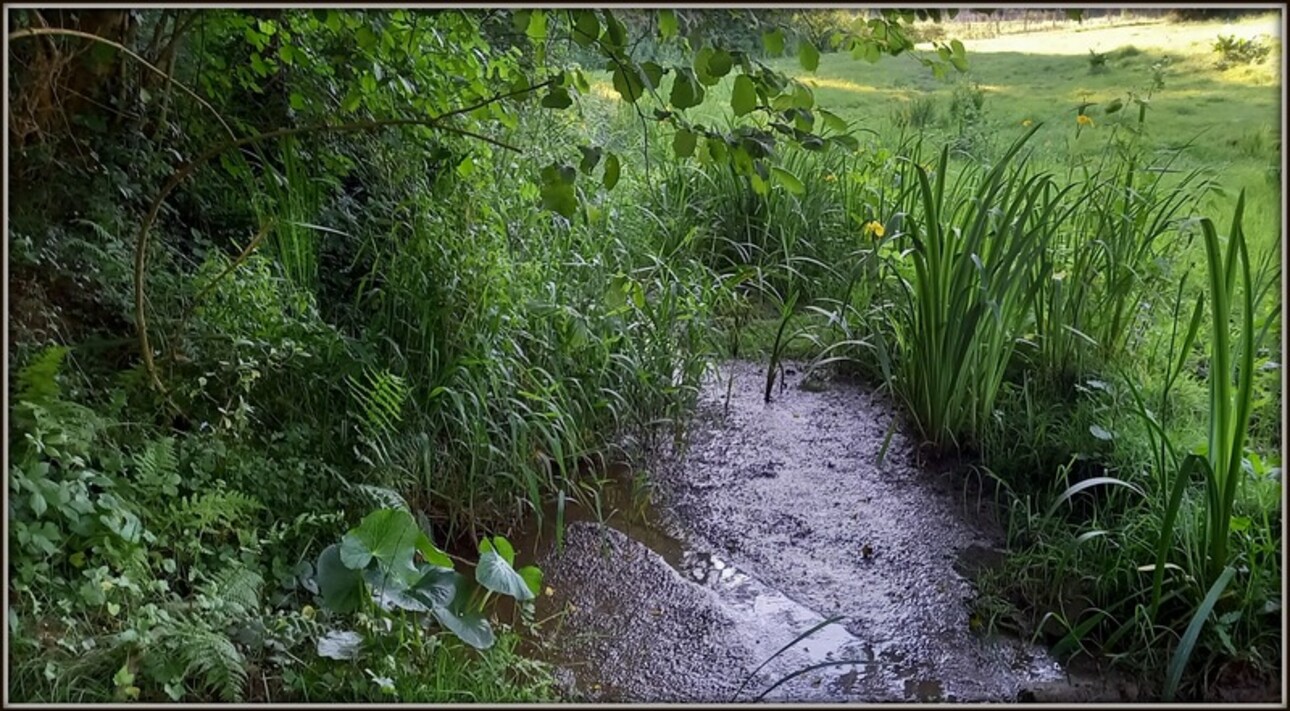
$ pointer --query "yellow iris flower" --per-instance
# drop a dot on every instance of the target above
(1084, 120)
(874, 228)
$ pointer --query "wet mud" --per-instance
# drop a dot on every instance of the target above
(777, 518)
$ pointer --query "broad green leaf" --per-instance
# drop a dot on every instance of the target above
(615, 31)
(686, 90)
(557, 98)
(653, 73)
(586, 28)
(341, 587)
(432, 554)
(719, 63)
(557, 190)
(788, 180)
(808, 55)
(536, 29)
(833, 121)
(744, 97)
(773, 41)
(494, 573)
(1114, 106)
(501, 546)
(340, 644)
(532, 577)
(590, 158)
(667, 25)
(437, 587)
(389, 535)
(1101, 433)
(628, 84)
(366, 38)
(611, 171)
(683, 143)
(470, 627)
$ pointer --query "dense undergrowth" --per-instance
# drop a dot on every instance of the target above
(411, 319)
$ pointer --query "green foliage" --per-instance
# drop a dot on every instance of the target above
(1233, 50)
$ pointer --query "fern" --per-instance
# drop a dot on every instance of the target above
(38, 381)
(212, 658)
(217, 511)
(156, 466)
(238, 588)
(380, 396)
(383, 498)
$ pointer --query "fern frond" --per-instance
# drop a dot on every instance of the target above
(237, 586)
(380, 396)
(212, 659)
(38, 380)
(382, 497)
(219, 510)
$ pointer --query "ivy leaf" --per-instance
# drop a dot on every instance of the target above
(667, 25)
(683, 143)
(744, 97)
(557, 190)
(611, 171)
(808, 55)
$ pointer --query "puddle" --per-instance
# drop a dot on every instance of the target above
(778, 517)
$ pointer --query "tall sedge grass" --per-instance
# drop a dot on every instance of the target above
(966, 281)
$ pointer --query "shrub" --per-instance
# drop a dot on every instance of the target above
(1234, 51)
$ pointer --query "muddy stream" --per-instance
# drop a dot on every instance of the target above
(776, 518)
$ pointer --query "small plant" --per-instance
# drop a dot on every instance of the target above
(1235, 51)
(916, 113)
(1096, 62)
(388, 566)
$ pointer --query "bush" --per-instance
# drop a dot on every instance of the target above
(1235, 51)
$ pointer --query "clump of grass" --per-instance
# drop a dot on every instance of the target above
(964, 288)
(916, 113)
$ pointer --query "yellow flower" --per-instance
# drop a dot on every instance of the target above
(1027, 123)
(830, 178)
(308, 612)
(874, 228)
(1084, 120)
(549, 591)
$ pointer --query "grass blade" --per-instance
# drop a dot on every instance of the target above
(1188, 641)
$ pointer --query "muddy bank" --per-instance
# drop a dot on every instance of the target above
(777, 518)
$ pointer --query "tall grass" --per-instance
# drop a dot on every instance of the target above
(966, 283)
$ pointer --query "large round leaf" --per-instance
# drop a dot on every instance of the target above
(388, 535)
(472, 628)
(340, 586)
(496, 574)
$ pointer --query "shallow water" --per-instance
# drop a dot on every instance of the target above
(776, 518)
